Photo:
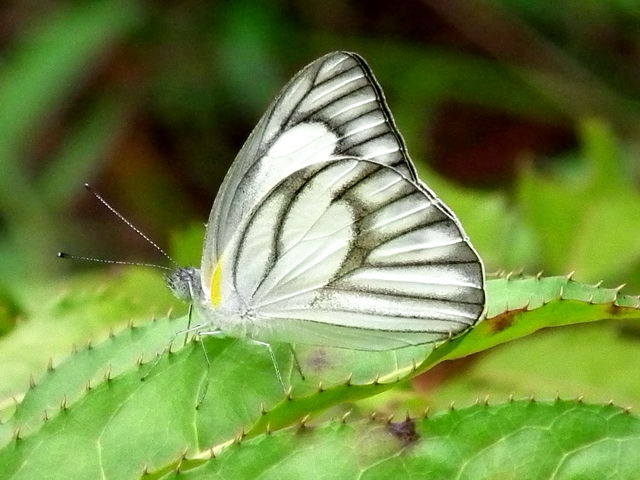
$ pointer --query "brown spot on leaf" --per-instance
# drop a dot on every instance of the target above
(503, 321)
(613, 309)
(318, 360)
(404, 431)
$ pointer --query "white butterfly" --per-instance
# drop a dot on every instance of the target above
(322, 233)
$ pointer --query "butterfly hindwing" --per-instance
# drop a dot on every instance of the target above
(355, 254)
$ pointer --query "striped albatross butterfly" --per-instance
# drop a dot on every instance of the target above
(323, 234)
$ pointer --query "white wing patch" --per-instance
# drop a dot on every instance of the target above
(303, 145)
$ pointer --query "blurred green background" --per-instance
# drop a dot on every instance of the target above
(523, 115)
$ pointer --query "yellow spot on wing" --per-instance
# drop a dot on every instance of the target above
(216, 278)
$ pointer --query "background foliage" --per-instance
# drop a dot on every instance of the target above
(522, 115)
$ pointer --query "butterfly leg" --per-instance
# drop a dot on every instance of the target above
(186, 335)
(206, 357)
(273, 360)
(296, 361)
(169, 346)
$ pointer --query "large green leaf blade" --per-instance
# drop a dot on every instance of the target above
(516, 440)
(189, 401)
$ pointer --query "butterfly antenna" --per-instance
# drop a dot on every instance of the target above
(111, 262)
(131, 226)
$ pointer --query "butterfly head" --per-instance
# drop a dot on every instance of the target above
(184, 283)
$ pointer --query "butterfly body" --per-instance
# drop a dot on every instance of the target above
(231, 319)
(323, 234)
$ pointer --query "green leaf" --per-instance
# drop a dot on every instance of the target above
(522, 439)
(111, 397)
(518, 307)
(54, 320)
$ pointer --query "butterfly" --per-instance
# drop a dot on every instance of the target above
(323, 234)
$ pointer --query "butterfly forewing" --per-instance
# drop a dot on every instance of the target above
(332, 108)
